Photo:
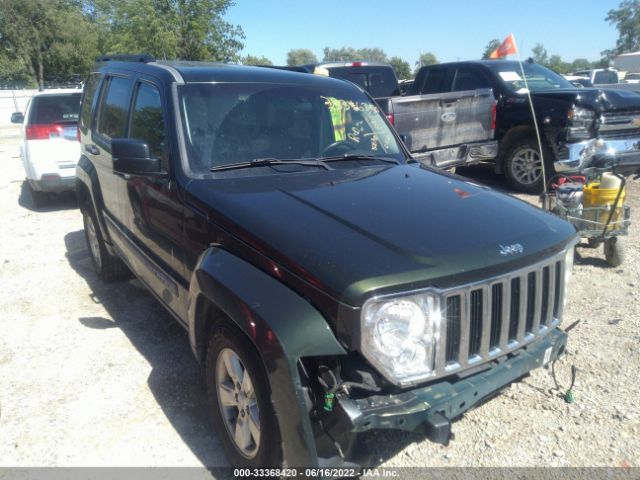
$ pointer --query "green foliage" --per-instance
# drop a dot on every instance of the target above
(626, 18)
(43, 39)
(401, 67)
(348, 54)
(253, 60)
(301, 56)
(172, 29)
(558, 65)
(540, 54)
(491, 46)
(424, 60)
(580, 64)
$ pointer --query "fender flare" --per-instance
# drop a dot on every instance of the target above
(283, 328)
(87, 176)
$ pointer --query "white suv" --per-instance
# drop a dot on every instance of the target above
(50, 149)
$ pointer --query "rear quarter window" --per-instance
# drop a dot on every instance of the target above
(62, 108)
(90, 88)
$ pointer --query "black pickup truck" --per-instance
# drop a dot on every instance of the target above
(329, 284)
(579, 126)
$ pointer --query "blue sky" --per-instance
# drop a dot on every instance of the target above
(452, 29)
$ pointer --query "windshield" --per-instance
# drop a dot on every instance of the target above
(539, 78)
(241, 122)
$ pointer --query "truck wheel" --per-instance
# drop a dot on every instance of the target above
(108, 267)
(614, 251)
(240, 398)
(523, 166)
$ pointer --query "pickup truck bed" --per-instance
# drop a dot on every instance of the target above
(446, 129)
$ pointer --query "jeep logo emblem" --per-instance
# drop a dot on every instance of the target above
(510, 249)
(448, 117)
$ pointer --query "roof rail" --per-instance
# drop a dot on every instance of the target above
(124, 57)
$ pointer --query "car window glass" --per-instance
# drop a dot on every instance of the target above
(435, 81)
(468, 79)
(47, 109)
(147, 122)
(229, 123)
(87, 100)
(113, 115)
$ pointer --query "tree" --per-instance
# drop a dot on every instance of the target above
(491, 46)
(349, 54)
(168, 29)
(580, 64)
(401, 67)
(253, 60)
(425, 59)
(626, 18)
(540, 54)
(556, 64)
(43, 38)
(301, 56)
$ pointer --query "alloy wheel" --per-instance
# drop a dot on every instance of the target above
(94, 243)
(526, 166)
(238, 403)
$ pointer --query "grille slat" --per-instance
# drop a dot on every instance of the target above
(506, 312)
(465, 319)
(496, 315)
(476, 307)
(487, 320)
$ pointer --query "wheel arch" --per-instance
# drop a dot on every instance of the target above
(281, 326)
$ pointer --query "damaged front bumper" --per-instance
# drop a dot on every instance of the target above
(600, 154)
(427, 410)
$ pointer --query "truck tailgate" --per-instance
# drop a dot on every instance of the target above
(440, 120)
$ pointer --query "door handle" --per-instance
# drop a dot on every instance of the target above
(92, 149)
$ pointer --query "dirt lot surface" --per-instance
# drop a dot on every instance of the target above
(94, 374)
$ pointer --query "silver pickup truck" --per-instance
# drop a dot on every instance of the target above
(447, 119)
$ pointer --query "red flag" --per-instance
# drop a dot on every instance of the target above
(507, 47)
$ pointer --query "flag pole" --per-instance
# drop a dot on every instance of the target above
(533, 113)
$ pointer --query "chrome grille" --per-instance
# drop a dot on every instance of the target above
(486, 320)
(619, 125)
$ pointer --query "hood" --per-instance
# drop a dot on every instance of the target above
(354, 231)
(598, 99)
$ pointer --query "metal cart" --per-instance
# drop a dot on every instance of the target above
(606, 224)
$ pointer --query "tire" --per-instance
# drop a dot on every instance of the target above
(38, 199)
(523, 168)
(229, 354)
(108, 267)
(614, 251)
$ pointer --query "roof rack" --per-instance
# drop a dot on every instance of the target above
(124, 57)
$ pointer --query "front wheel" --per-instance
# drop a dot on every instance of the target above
(240, 395)
(523, 166)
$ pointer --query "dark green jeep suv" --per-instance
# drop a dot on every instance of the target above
(330, 285)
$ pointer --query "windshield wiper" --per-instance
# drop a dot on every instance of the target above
(266, 162)
(358, 156)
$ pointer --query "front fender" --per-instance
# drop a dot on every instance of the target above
(283, 328)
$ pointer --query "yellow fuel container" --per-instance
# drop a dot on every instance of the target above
(595, 197)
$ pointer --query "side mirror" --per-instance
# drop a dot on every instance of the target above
(131, 156)
(17, 117)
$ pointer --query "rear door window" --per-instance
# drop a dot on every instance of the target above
(469, 79)
(437, 80)
(113, 114)
(59, 108)
(147, 120)
(90, 88)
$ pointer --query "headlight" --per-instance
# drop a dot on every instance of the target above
(581, 121)
(399, 336)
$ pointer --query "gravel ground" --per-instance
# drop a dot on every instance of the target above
(99, 375)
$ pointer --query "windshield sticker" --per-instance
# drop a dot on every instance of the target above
(510, 76)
